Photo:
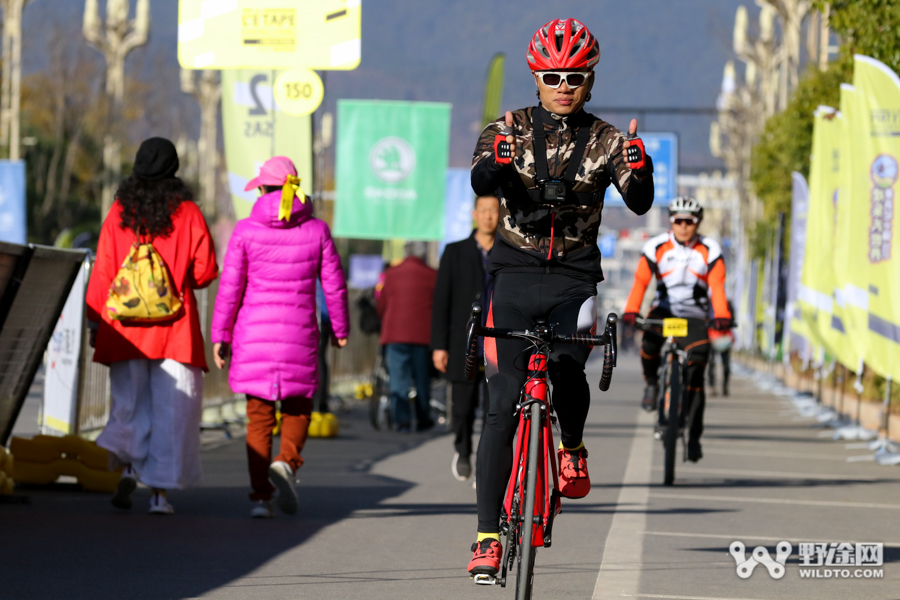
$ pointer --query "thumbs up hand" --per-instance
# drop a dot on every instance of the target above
(510, 138)
(505, 142)
(633, 149)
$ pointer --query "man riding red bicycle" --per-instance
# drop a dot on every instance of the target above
(552, 164)
(689, 270)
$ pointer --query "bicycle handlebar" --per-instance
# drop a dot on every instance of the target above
(546, 335)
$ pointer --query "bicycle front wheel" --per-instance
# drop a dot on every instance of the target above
(525, 575)
(671, 439)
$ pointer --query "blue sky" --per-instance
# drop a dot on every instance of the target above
(655, 53)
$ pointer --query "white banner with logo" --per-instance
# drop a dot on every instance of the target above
(63, 359)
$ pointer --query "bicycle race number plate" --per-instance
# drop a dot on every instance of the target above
(675, 327)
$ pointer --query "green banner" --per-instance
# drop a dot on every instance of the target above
(390, 172)
(255, 130)
(493, 90)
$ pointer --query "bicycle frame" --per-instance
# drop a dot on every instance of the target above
(548, 496)
(671, 394)
(532, 499)
(534, 407)
(671, 355)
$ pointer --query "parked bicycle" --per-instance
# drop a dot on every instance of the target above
(532, 499)
(670, 426)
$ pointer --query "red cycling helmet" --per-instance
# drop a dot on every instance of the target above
(563, 44)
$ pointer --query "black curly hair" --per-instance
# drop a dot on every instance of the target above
(148, 205)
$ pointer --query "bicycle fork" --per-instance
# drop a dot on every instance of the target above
(547, 498)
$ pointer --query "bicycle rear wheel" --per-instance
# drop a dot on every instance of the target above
(525, 574)
(671, 439)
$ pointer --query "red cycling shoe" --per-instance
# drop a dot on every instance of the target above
(486, 557)
(574, 481)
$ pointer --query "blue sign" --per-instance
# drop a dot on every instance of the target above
(663, 149)
(607, 245)
(13, 224)
(459, 200)
(365, 270)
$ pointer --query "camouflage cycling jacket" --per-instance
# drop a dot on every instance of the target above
(528, 226)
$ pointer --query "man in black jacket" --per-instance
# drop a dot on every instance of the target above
(462, 279)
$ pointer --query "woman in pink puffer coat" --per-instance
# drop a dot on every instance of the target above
(265, 315)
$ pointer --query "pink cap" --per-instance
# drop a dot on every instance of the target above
(273, 172)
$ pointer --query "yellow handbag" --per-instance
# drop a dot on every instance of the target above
(142, 289)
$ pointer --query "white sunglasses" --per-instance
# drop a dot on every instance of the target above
(684, 220)
(554, 79)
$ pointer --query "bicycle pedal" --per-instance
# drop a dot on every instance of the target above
(484, 579)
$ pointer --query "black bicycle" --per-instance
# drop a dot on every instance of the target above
(670, 400)
(532, 499)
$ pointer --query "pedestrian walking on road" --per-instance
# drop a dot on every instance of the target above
(265, 320)
(404, 306)
(463, 279)
(156, 359)
(721, 343)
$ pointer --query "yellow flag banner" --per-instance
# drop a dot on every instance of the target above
(845, 335)
(256, 128)
(818, 282)
(872, 284)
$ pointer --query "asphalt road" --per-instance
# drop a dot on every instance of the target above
(382, 517)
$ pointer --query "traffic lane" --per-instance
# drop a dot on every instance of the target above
(417, 544)
(783, 481)
(99, 552)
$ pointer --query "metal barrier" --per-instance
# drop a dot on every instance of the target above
(95, 399)
(353, 363)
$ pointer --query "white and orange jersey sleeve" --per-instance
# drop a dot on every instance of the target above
(688, 277)
(647, 269)
(715, 278)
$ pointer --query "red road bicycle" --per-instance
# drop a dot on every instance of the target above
(532, 499)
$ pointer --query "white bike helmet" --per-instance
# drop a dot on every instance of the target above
(685, 205)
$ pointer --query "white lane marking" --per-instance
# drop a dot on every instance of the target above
(620, 568)
(749, 453)
(666, 596)
(782, 474)
(778, 501)
(748, 537)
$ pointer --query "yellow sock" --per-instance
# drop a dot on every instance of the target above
(484, 536)
(578, 447)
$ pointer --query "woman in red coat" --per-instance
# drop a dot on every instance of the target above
(156, 369)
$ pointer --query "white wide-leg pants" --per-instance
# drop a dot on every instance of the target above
(154, 421)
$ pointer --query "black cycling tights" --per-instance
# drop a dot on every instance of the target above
(697, 345)
(520, 299)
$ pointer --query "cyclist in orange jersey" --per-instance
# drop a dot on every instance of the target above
(690, 273)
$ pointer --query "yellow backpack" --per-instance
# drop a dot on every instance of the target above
(142, 289)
